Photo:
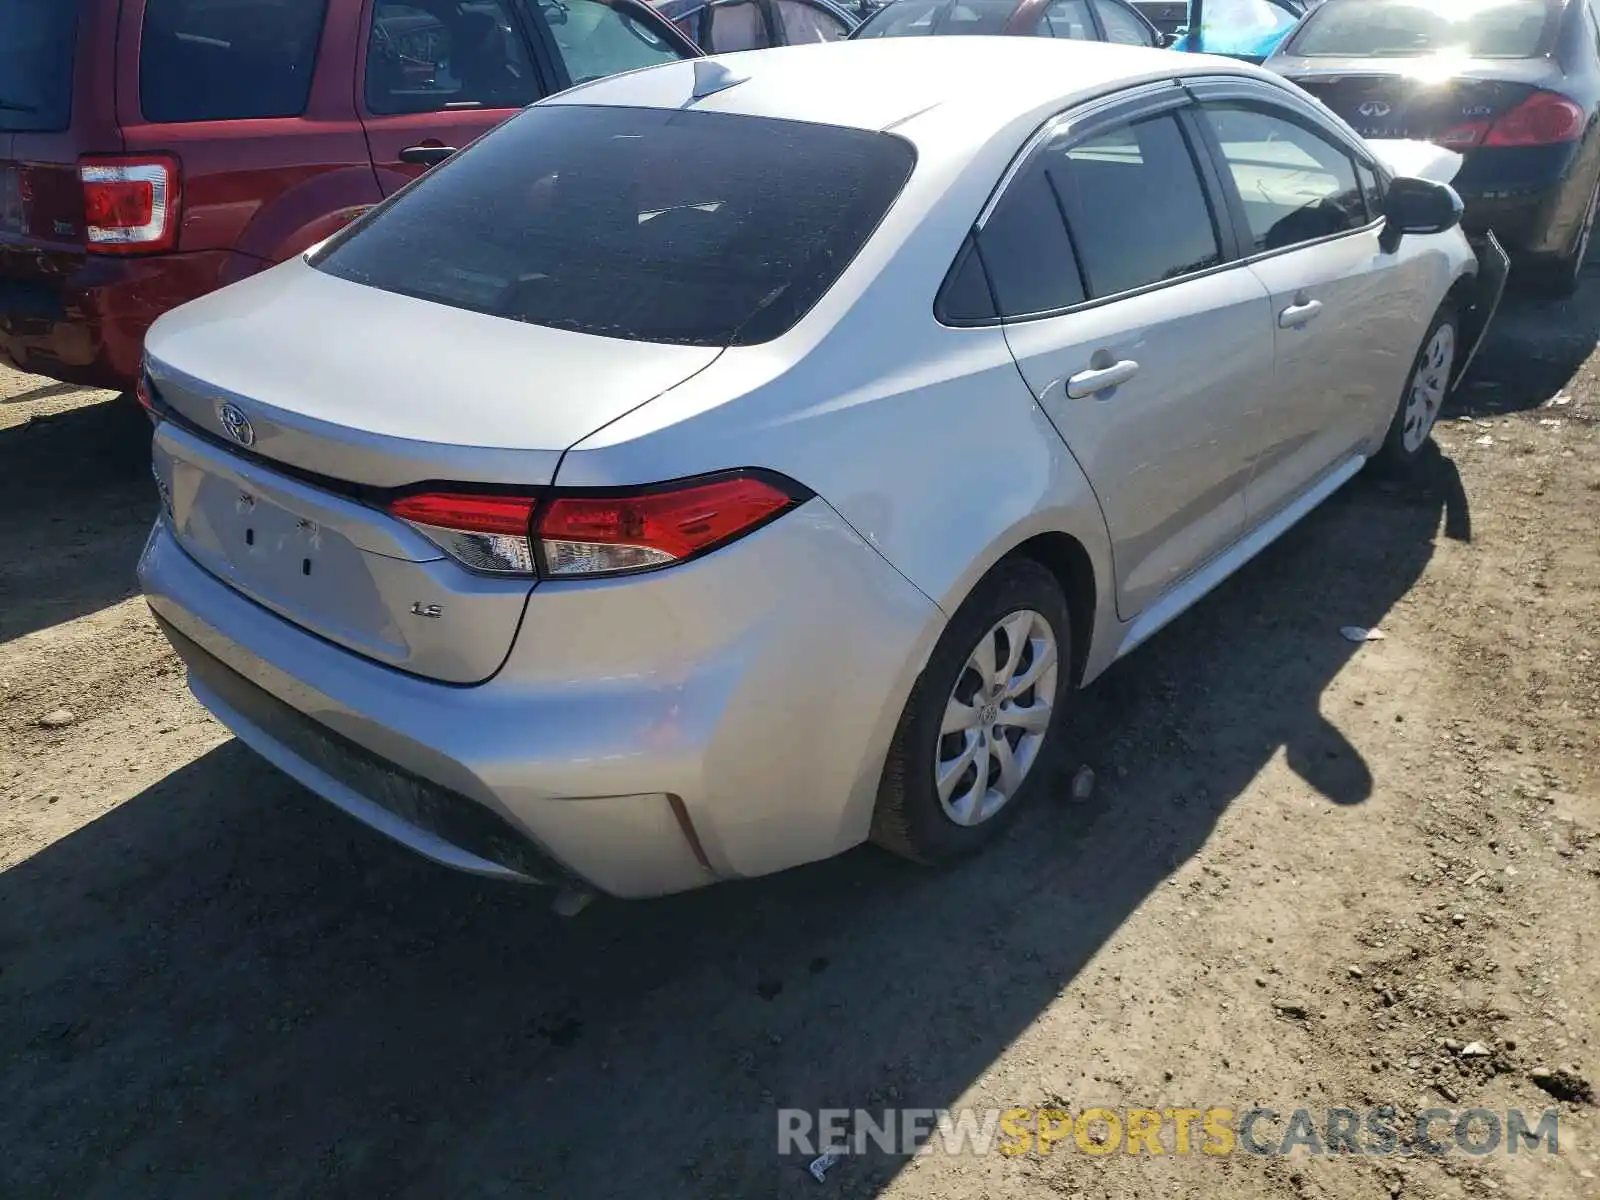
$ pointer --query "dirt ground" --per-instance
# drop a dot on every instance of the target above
(1311, 874)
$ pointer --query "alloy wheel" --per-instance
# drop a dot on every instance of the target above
(996, 718)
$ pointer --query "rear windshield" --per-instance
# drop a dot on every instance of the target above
(1401, 28)
(918, 18)
(585, 218)
(36, 53)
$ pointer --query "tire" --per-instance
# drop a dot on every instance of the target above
(1561, 276)
(1019, 596)
(1426, 388)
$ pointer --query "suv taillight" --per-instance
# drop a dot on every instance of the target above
(131, 204)
(576, 535)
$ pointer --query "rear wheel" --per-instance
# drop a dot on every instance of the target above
(981, 723)
(1424, 394)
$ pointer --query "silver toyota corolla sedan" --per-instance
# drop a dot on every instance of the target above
(724, 464)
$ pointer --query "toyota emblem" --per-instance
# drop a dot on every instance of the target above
(235, 424)
(1374, 108)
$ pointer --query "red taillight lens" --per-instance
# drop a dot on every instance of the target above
(143, 393)
(1543, 119)
(130, 205)
(486, 533)
(579, 536)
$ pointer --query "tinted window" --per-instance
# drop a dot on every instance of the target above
(1295, 184)
(1134, 202)
(595, 40)
(1068, 19)
(1122, 26)
(965, 297)
(36, 53)
(584, 219)
(913, 18)
(1026, 249)
(426, 60)
(1397, 28)
(217, 60)
(804, 22)
(736, 25)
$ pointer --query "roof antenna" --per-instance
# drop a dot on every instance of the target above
(711, 77)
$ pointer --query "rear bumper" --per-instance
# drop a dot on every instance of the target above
(1533, 200)
(726, 718)
(88, 327)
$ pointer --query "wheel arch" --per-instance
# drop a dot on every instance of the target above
(1066, 558)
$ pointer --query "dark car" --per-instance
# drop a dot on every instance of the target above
(1514, 85)
(722, 26)
(154, 150)
(1082, 20)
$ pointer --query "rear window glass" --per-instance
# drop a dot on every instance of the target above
(222, 60)
(1401, 28)
(36, 53)
(918, 18)
(583, 218)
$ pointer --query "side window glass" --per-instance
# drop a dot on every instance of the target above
(1067, 19)
(224, 60)
(965, 297)
(1122, 26)
(804, 22)
(1135, 204)
(422, 60)
(736, 25)
(1371, 189)
(595, 40)
(1296, 185)
(1026, 249)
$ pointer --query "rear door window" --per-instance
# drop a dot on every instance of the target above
(1068, 19)
(428, 59)
(805, 22)
(1122, 25)
(220, 60)
(594, 39)
(583, 218)
(1026, 250)
(1135, 206)
(36, 59)
(735, 25)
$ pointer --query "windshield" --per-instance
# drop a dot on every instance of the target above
(584, 219)
(36, 52)
(1404, 28)
(918, 18)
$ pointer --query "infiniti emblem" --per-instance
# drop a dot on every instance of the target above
(1374, 108)
(235, 424)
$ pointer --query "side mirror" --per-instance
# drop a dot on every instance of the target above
(1417, 206)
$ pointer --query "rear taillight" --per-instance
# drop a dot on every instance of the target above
(130, 204)
(573, 535)
(144, 393)
(1543, 119)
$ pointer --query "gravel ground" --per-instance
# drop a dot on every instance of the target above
(1311, 874)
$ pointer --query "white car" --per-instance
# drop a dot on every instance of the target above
(722, 464)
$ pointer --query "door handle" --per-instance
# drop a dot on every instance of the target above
(426, 156)
(1298, 315)
(1100, 379)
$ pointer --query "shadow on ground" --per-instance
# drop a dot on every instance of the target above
(1534, 348)
(224, 988)
(76, 502)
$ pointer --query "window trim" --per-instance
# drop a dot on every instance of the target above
(1090, 118)
(1286, 107)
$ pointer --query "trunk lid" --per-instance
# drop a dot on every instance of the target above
(1404, 99)
(304, 400)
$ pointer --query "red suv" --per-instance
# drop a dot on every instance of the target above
(153, 150)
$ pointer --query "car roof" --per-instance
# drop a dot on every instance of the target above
(883, 83)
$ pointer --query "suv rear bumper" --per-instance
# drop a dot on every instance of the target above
(88, 327)
(728, 717)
